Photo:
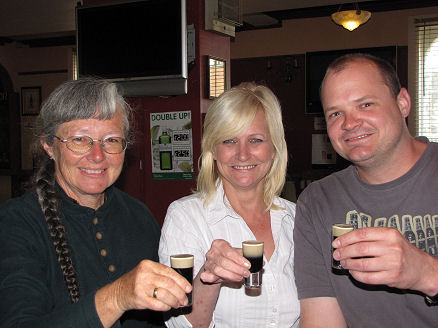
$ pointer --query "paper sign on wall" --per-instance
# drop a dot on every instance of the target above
(171, 146)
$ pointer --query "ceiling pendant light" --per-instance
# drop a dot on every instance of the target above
(351, 19)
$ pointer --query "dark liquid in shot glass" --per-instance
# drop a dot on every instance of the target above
(338, 230)
(256, 263)
(183, 264)
(188, 274)
(253, 252)
(335, 263)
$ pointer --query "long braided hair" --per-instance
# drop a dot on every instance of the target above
(79, 99)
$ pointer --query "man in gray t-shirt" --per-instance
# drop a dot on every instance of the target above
(393, 183)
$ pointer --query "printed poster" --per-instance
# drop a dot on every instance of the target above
(172, 146)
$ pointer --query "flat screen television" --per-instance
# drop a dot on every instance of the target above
(317, 63)
(140, 45)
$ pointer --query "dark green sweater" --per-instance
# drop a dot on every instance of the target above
(105, 244)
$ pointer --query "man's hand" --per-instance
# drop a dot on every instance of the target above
(382, 256)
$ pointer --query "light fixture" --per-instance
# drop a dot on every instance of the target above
(351, 19)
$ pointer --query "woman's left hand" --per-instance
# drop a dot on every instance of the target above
(150, 285)
(137, 288)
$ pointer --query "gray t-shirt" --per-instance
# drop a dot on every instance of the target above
(409, 204)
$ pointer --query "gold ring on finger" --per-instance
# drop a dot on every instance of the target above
(154, 294)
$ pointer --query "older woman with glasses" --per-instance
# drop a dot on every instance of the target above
(75, 251)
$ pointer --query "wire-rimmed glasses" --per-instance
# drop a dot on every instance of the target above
(83, 144)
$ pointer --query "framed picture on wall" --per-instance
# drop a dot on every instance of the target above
(30, 100)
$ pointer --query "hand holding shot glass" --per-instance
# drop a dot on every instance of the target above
(183, 264)
(253, 252)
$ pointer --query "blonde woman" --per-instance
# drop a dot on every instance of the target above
(243, 166)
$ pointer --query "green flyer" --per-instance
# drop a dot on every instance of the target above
(171, 145)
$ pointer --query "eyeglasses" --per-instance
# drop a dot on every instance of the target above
(83, 144)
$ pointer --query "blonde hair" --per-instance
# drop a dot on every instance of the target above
(230, 114)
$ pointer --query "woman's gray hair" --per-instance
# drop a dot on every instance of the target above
(73, 100)
(82, 99)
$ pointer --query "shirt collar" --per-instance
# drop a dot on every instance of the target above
(69, 203)
(220, 208)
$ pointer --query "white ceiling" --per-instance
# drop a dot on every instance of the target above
(39, 18)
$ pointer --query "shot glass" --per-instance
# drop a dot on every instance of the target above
(253, 252)
(183, 264)
(339, 229)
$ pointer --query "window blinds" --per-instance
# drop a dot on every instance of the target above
(217, 78)
(426, 43)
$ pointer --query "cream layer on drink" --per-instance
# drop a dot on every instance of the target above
(253, 252)
(181, 261)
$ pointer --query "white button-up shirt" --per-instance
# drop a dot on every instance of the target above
(189, 227)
